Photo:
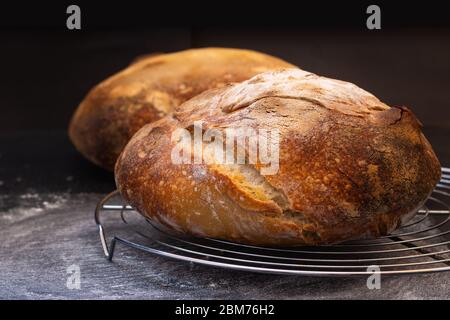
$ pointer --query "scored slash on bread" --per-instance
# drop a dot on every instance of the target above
(349, 165)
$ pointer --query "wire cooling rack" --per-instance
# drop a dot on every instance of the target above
(422, 245)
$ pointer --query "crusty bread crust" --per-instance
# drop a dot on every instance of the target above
(350, 166)
(152, 87)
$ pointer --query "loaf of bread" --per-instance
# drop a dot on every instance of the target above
(349, 165)
(152, 87)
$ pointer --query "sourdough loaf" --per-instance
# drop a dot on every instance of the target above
(149, 89)
(350, 166)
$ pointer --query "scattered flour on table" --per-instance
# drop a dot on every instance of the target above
(29, 196)
(31, 204)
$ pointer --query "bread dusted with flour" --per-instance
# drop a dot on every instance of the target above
(151, 88)
(349, 165)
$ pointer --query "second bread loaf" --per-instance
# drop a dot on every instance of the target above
(151, 88)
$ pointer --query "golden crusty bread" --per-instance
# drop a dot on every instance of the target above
(152, 87)
(349, 165)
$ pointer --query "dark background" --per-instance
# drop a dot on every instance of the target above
(46, 69)
(46, 73)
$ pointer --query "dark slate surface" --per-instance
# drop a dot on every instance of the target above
(47, 197)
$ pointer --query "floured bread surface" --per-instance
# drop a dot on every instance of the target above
(150, 89)
(349, 165)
